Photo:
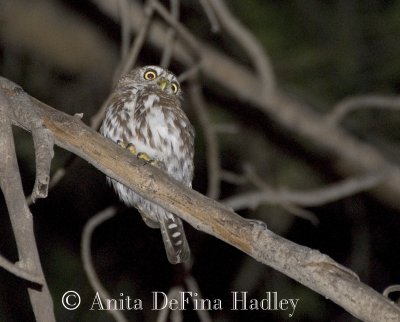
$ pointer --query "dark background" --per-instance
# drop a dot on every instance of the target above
(65, 52)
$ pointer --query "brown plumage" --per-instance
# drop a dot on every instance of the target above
(145, 112)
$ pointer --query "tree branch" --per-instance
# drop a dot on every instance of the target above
(309, 267)
(87, 233)
(20, 111)
(350, 104)
(14, 269)
(311, 198)
(212, 146)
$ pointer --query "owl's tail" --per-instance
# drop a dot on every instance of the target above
(174, 238)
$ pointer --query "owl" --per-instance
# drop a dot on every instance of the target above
(145, 116)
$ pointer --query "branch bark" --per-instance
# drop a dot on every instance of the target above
(309, 267)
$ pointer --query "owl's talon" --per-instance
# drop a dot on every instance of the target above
(121, 144)
(144, 156)
(131, 148)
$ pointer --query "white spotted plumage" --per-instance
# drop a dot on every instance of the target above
(147, 113)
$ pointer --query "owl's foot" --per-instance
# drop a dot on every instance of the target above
(145, 157)
(130, 147)
(141, 155)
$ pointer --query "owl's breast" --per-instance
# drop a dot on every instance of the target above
(158, 133)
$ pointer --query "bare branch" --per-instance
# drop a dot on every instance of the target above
(17, 271)
(210, 15)
(391, 289)
(234, 178)
(190, 73)
(43, 142)
(173, 293)
(138, 43)
(212, 147)
(184, 33)
(123, 6)
(87, 233)
(311, 268)
(311, 198)
(353, 103)
(11, 185)
(193, 287)
(169, 40)
(248, 42)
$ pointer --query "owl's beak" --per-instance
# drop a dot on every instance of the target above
(163, 83)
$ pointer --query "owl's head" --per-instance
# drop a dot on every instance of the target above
(153, 77)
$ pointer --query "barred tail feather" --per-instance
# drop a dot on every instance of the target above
(174, 239)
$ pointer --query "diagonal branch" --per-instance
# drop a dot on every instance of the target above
(309, 267)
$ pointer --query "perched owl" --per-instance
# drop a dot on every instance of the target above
(145, 117)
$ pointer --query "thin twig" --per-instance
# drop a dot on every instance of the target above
(311, 198)
(124, 8)
(234, 178)
(95, 282)
(212, 146)
(129, 63)
(170, 38)
(301, 213)
(183, 32)
(193, 287)
(173, 293)
(248, 42)
(353, 103)
(190, 73)
(391, 289)
(210, 15)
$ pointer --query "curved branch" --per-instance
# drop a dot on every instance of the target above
(212, 146)
(309, 267)
(248, 42)
(87, 233)
(312, 198)
(350, 104)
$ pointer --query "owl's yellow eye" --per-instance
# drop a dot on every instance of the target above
(174, 87)
(150, 75)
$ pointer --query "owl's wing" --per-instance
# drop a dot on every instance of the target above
(174, 238)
